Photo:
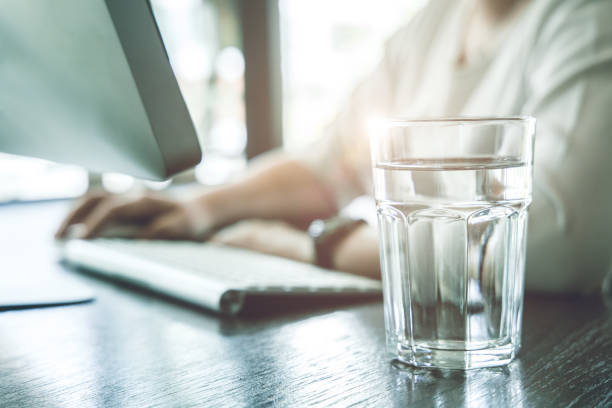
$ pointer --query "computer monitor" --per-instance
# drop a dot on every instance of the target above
(89, 82)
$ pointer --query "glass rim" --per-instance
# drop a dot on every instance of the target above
(457, 120)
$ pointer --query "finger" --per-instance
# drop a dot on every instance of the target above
(143, 208)
(112, 211)
(139, 210)
(79, 212)
(168, 226)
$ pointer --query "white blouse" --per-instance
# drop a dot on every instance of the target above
(554, 62)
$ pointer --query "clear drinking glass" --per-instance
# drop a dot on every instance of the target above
(452, 197)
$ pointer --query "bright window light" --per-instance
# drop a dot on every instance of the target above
(28, 179)
(321, 65)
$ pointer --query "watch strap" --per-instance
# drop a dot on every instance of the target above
(327, 234)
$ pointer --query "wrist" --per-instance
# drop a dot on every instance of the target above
(204, 214)
(328, 234)
(213, 205)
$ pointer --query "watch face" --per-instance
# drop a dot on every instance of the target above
(316, 228)
(321, 228)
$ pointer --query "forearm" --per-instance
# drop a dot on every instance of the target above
(274, 187)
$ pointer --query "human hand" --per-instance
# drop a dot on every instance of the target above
(151, 217)
(269, 237)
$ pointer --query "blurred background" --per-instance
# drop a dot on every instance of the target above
(255, 74)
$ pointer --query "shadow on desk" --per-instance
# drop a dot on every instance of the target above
(259, 307)
(263, 311)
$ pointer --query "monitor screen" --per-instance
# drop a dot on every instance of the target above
(89, 83)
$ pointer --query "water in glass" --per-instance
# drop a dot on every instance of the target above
(452, 241)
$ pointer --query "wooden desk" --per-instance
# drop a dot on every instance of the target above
(129, 348)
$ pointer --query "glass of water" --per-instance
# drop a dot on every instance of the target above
(452, 197)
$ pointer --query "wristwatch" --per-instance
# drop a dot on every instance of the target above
(327, 234)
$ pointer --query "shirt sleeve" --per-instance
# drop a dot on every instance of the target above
(569, 82)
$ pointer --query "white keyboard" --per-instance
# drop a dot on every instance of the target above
(211, 275)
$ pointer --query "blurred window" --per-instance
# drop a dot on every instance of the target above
(202, 38)
(326, 47)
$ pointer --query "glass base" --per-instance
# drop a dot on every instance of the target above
(419, 356)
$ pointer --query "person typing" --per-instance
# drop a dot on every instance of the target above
(551, 59)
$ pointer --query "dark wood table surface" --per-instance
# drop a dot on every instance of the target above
(130, 348)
